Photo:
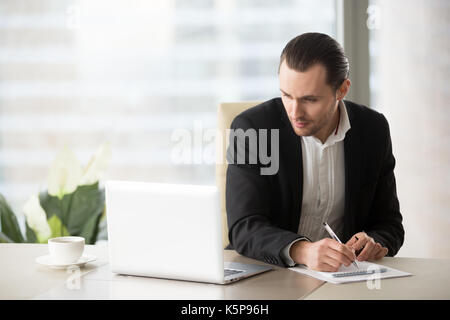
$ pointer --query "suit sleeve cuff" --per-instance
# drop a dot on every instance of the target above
(285, 252)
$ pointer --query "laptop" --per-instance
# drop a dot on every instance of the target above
(170, 231)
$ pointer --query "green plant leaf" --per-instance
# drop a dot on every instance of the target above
(54, 206)
(30, 234)
(79, 211)
(58, 230)
(51, 205)
(102, 232)
(85, 211)
(4, 238)
(9, 226)
(90, 229)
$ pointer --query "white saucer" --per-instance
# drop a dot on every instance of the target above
(47, 261)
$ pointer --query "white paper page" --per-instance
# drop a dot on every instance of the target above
(363, 265)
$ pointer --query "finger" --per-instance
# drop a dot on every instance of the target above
(351, 241)
(360, 244)
(366, 251)
(383, 252)
(337, 256)
(376, 249)
(343, 249)
(334, 264)
(326, 265)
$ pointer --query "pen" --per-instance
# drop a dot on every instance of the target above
(334, 236)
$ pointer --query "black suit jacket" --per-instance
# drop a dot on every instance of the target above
(263, 211)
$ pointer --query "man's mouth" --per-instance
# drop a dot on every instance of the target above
(300, 124)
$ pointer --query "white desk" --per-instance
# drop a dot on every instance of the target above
(22, 278)
(430, 280)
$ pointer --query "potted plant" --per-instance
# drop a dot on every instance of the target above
(73, 204)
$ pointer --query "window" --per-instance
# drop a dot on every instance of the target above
(79, 73)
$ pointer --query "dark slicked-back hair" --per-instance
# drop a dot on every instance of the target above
(310, 48)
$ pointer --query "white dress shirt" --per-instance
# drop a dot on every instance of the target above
(323, 184)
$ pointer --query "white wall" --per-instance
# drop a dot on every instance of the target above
(412, 87)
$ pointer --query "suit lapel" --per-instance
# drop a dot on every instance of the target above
(352, 150)
(291, 154)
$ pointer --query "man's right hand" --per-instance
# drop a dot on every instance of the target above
(324, 255)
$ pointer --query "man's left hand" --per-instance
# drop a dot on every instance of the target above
(367, 247)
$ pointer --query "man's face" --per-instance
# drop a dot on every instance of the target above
(309, 101)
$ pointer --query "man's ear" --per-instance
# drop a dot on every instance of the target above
(343, 89)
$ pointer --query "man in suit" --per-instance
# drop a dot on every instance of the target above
(335, 165)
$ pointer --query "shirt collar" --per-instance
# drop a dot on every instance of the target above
(341, 129)
(343, 124)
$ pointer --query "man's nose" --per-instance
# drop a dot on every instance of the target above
(297, 110)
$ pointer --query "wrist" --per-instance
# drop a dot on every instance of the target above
(299, 250)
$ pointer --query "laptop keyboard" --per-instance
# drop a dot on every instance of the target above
(229, 272)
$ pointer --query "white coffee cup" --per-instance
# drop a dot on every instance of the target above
(65, 250)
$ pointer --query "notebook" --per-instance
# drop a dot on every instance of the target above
(365, 271)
